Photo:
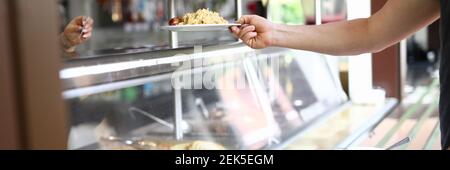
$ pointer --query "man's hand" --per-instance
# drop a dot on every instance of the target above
(78, 31)
(395, 21)
(255, 31)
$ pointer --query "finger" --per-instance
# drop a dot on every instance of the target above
(89, 21)
(247, 37)
(86, 30)
(74, 29)
(87, 35)
(235, 31)
(246, 30)
(246, 19)
(232, 28)
(78, 20)
(251, 42)
(243, 26)
(88, 27)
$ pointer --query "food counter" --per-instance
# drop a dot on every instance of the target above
(228, 96)
(206, 90)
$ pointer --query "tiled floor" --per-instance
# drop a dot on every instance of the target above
(416, 117)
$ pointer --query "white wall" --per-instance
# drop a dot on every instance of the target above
(360, 66)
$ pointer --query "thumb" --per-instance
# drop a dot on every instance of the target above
(246, 19)
(78, 20)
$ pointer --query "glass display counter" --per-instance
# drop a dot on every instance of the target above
(224, 97)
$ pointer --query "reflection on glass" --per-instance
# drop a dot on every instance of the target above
(226, 108)
(135, 24)
(334, 10)
(286, 12)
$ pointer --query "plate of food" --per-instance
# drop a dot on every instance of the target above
(202, 20)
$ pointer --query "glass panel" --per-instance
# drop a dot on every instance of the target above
(303, 11)
(220, 104)
(254, 7)
(336, 128)
(116, 113)
(135, 24)
(298, 95)
(287, 12)
(334, 10)
(233, 107)
(233, 98)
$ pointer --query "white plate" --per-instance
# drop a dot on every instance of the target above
(199, 27)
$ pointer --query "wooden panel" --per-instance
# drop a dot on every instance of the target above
(386, 71)
(37, 29)
(386, 65)
(434, 36)
(9, 118)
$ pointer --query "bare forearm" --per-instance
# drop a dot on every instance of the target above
(395, 21)
(341, 38)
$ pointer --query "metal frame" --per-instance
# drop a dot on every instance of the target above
(173, 35)
(318, 10)
(366, 127)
